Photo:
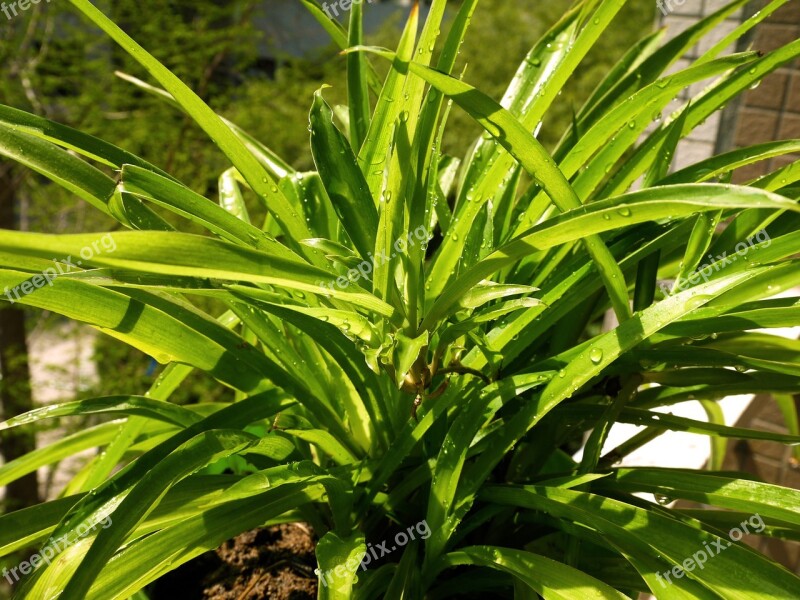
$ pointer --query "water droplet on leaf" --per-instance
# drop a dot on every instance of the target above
(596, 355)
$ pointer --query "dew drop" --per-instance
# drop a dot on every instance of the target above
(697, 301)
(596, 355)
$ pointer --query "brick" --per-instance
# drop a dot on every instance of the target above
(736, 450)
(767, 469)
(785, 552)
(788, 13)
(769, 422)
(791, 478)
(750, 172)
(754, 542)
(677, 25)
(692, 8)
(790, 127)
(708, 130)
(740, 457)
(715, 5)
(756, 126)
(770, 93)
(772, 36)
(774, 450)
(690, 152)
(793, 102)
(767, 410)
(782, 161)
(767, 461)
(716, 35)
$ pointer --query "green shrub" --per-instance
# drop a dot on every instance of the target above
(414, 338)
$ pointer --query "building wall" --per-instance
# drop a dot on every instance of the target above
(766, 113)
(769, 112)
(769, 462)
(772, 110)
(703, 141)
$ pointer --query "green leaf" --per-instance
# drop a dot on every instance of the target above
(730, 572)
(92, 437)
(789, 409)
(357, 84)
(67, 137)
(373, 156)
(230, 195)
(75, 175)
(133, 405)
(512, 135)
(406, 352)
(635, 207)
(453, 454)
(250, 168)
(716, 489)
(149, 557)
(637, 416)
(719, 445)
(342, 178)
(406, 581)
(550, 579)
(194, 207)
(605, 349)
(488, 291)
(338, 560)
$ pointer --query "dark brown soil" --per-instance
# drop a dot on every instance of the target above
(276, 563)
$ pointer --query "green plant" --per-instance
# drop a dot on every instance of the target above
(445, 382)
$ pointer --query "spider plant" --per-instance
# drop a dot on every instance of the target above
(414, 336)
